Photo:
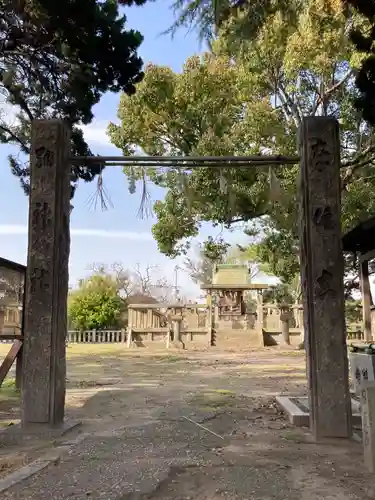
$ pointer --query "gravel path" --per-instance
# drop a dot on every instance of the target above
(140, 445)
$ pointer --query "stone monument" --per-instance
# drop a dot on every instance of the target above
(44, 365)
(322, 271)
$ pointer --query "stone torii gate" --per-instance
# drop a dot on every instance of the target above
(44, 369)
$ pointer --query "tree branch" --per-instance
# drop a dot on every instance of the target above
(291, 104)
(322, 99)
(14, 137)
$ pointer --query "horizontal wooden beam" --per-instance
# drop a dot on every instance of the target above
(365, 257)
(150, 330)
(277, 331)
(10, 336)
(167, 306)
(233, 287)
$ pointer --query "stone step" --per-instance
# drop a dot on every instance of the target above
(250, 338)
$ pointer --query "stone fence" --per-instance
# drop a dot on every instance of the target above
(120, 336)
(96, 336)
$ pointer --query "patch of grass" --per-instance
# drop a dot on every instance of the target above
(292, 436)
(224, 391)
(298, 353)
(77, 350)
(9, 399)
(210, 400)
(9, 383)
(119, 350)
(171, 358)
(8, 390)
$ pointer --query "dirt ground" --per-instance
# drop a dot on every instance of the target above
(140, 410)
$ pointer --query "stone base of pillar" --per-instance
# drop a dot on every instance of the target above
(19, 432)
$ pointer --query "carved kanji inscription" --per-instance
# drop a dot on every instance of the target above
(44, 157)
(324, 217)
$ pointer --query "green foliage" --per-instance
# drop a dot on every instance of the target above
(199, 268)
(215, 249)
(249, 95)
(95, 304)
(208, 16)
(210, 253)
(251, 255)
(57, 59)
(280, 253)
(353, 311)
(279, 294)
(364, 39)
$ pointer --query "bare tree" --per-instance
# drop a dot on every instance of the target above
(149, 282)
(120, 274)
(145, 281)
(200, 268)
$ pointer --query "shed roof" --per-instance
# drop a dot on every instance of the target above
(361, 238)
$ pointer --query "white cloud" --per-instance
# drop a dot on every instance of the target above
(12, 229)
(96, 133)
(103, 233)
(16, 229)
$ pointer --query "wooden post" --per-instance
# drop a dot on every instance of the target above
(322, 273)
(366, 299)
(130, 326)
(168, 337)
(44, 364)
(19, 364)
(260, 312)
(150, 317)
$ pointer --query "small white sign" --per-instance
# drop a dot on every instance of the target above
(362, 368)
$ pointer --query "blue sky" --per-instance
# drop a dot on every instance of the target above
(117, 235)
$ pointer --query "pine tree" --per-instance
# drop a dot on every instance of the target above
(364, 41)
(57, 59)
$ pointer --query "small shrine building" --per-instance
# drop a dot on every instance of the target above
(227, 296)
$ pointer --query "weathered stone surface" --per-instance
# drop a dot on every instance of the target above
(322, 269)
(368, 424)
(44, 368)
(366, 300)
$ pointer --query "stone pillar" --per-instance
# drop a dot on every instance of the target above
(209, 319)
(260, 311)
(284, 323)
(176, 329)
(366, 299)
(44, 365)
(322, 270)
(2, 315)
(129, 337)
(301, 327)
